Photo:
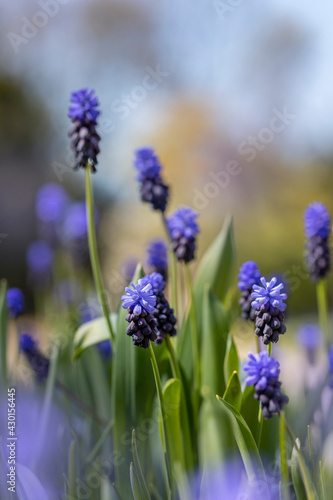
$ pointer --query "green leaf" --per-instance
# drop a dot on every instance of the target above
(233, 392)
(231, 361)
(217, 265)
(136, 490)
(300, 475)
(91, 333)
(215, 324)
(215, 440)
(72, 472)
(171, 396)
(296, 476)
(250, 408)
(245, 442)
(138, 469)
(3, 333)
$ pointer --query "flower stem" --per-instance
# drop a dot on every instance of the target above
(163, 415)
(194, 331)
(173, 270)
(269, 349)
(187, 444)
(93, 252)
(260, 425)
(322, 307)
(284, 461)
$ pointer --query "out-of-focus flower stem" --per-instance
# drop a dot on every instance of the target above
(162, 408)
(322, 307)
(173, 271)
(195, 341)
(284, 460)
(188, 453)
(94, 254)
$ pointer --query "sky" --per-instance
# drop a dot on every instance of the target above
(210, 55)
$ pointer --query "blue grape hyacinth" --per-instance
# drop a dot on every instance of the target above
(317, 225)
(269, 310)
(152, 188)
(183, 228)
(84, 138)
(309, 337)
(38, 362)
(162, 312)
(15, 302)
(248, 276)
(157, 257)
(51, 203)
(263, 373)
(140, 302)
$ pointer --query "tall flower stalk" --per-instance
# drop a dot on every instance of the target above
(85, 142)
(95, 265)
(317, 226)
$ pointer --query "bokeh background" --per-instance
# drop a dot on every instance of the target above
(198, 81)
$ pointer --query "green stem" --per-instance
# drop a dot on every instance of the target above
(284, 461)
(260, 426)
(322, 308)
(194, 332)
(187, 443)
(322, 482)
(163, 415)
(93, 252)
(173, 270)
(311, 453)
(269, 349)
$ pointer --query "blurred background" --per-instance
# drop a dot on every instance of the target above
(236, 98)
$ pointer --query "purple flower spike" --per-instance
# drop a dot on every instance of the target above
(141, 297)
(84, 107)
(183, 228)
(317, 225)
(269, 295)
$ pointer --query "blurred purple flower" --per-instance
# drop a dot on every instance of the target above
(84, 105)
(317, 220)
(309, 337)
(15, 302)
(51, 203)
(39, 258)
(105, 349)
(157, 256)
(330, 366)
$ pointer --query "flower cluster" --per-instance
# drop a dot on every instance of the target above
(183, 228)
(317, 224)
(84, 139)
(248, 276)
(15, 302)
(162, 312)
(269, 306)
(263, 372)
(38, 362)
(152, 188)
(157, 257)
(140, 302)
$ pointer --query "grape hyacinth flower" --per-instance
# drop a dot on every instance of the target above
(157, 257)
(39, 258)
(84, 139)
(269, 309)
(51, 203)
(309, 338)
(162, 312)
(183, 229)
(105, 349)
(263, 372)
(38, 362)
(248, 276)
(140, 303)
(15, 302)
(317, 224)
(152, 189)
